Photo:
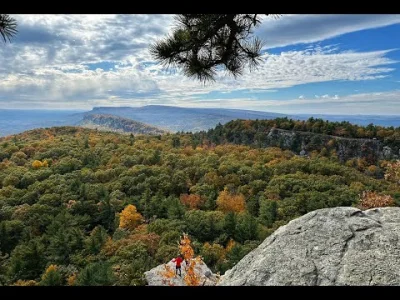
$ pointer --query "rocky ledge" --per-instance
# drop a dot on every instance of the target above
(333, 246)
(158, 275)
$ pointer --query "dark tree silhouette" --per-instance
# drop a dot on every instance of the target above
(8, 27)
(203, 43)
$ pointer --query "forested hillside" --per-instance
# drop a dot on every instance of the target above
(315, 136)
(118, 124)
(83, 207)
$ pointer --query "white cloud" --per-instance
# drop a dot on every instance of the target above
(294, 29)
(384, 103)
(47, 64)
(76, 82)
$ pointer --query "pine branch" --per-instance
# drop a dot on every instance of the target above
(8, 27)
(202, 42)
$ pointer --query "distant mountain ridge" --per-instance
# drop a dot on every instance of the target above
(171, 118)
(181, 118)
(176, 118)
(114, 123)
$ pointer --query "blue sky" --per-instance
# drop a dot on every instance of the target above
(328, 64)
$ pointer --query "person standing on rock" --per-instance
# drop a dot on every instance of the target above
(178, 262)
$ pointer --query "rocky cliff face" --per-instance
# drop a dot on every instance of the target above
(333, 246)
(117, 124)
(346, 148)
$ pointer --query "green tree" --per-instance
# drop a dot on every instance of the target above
(96, 274)
(52, 277)
(10, 234)
(235, 255)
(27, 260)
(131, 139)
(64, 238)
(205, 226)
(268, 212)
(230, 224)
(176, 142)
(246, 228)
(96, 240)
(3, 268)
(176, 210)
(166, 252)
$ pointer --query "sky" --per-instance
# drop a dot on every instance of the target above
(325, 64)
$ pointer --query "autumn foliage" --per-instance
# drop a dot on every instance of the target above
(51, 277)
(25, 283)
(369, 199)
(36, 164)
(76, 209)
(228, 202)
(167, 275)
(130, 218)
(71, 280)
(192, 201)
(393, 172)
(185, 248)
(191, 278)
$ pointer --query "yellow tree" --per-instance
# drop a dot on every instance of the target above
(25, 283)
(228, 202)
(393, 172)
(71, 280)
(130, 218)
(51, 277)
(37, 164)
(191, 278)
(185, 248)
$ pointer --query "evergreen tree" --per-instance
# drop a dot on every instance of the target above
(27, 260)
(175, 208)
(268, 212)
(230, 224)
(246, 228)
(96, 274)
(52, 277)
(176, 142)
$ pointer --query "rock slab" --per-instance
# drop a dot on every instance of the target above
(332, 246)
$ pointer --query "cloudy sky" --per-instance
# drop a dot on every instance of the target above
(331, 64)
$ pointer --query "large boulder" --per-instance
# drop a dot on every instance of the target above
(332, 246)
(156, 276)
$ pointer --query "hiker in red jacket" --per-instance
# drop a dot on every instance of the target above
(178, 262)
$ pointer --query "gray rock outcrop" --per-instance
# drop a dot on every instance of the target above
(387, 152)
(155, 276)
(332, 246)
(346, 148)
